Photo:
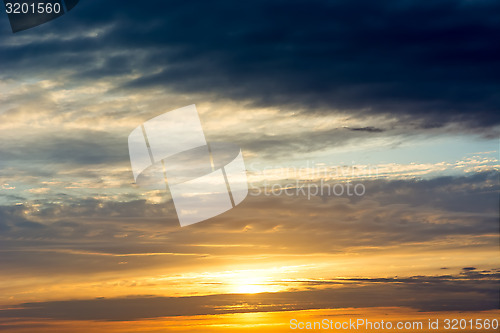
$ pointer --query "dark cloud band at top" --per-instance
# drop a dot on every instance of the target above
(428, 63)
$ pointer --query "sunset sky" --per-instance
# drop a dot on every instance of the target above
(401, 98)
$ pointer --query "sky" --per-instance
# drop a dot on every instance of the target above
(400, 98)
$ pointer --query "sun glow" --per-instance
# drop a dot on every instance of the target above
(262, 280)
(251, 285)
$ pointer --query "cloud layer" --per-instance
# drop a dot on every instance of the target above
(428, 64)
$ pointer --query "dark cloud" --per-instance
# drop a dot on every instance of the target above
(469, 268)
(426, 63)
(370, 129)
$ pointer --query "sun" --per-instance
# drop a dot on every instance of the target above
(253, 281)
(250, 285)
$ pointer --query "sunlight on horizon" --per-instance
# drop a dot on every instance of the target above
(251, 285)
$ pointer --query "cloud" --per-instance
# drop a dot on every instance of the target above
(93, 235)
(436, 293)
(370, 129)
(427, 64)
(284, 79)
(469, 269)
